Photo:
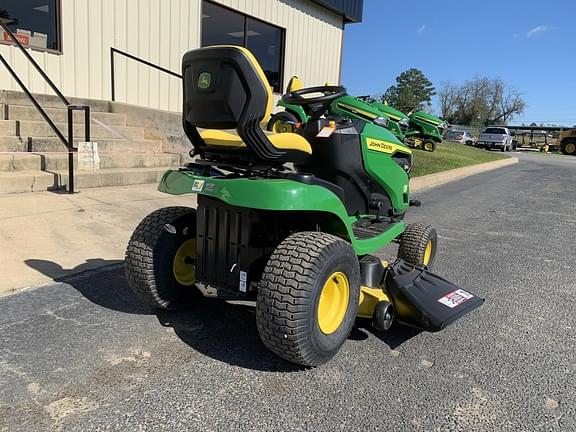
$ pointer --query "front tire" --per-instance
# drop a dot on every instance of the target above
(160, 258)
(308, 297)
(418, 245)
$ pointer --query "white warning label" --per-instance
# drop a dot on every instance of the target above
(455, 298)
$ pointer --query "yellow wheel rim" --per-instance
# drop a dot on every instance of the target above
(570, 148)
(428, 146)
(428, 253)
(333, 302)
(184, 265)
(282, 127)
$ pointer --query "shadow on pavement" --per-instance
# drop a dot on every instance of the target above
(218, 329)
(98, 280)
(394, 337)
(224, 331)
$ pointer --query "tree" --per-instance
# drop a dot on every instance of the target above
(411, 92)
(480, 102)
(448, 99)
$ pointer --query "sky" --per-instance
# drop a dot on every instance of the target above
(529, 44)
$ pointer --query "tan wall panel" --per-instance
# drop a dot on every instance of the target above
(161, 31)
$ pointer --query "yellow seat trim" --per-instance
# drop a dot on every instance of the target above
(215, 137)
(294, 84)
(290, 141)
(283, 141)
(265, 81)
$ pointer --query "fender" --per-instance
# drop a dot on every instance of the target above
(277, 195)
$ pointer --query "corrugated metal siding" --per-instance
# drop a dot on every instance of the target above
(161, 31)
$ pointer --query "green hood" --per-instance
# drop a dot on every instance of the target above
(391, 112)
(428, 118)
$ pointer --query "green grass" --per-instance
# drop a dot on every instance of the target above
(449, 155)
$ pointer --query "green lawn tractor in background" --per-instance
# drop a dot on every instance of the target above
(294, 116)
(424, 130)
(419, 130)
(291, 221)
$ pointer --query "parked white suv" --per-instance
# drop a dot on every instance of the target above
(496, 137)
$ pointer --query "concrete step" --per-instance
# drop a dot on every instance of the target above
(12, 97)
(11, 144)
(59, 115)
(59, 162)
(115, 177)
(35, 181)
(26, 181)
(42, 129)
(117, 146)
(20, 162)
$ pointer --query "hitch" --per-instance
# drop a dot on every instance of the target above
(415, 203)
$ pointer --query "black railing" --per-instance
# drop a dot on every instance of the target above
(114, 51)
(69, 143)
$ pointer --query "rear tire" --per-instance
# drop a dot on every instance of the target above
(418, 245)
(151, 269)
(429, 145)
(569, 147)
(304, 312)
(282, 122)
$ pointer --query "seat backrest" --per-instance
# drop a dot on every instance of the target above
(226, 88)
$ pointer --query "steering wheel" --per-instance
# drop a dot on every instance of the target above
(315, 106)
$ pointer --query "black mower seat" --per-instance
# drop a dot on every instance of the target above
(225, 88)
(281, 141)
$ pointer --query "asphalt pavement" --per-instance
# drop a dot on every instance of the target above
(84, 355)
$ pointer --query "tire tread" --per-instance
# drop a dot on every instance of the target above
(139, 257)
(285, 292)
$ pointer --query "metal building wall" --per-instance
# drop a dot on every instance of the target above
(161, 31)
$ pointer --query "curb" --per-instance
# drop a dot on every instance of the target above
(418, 184)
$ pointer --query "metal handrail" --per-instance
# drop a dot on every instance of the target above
(69, 143)
(133, 57)
(34, 101)
(36, 65)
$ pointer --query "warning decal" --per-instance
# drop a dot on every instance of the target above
(198, 185)
(455, 298)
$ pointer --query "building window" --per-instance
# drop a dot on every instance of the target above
(34, 22)
(223, 26)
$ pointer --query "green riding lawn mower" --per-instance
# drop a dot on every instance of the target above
(290, 220)
(423, 131)
(418, 130)
(294, 116)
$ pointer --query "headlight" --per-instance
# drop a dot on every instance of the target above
(404, 160)
(404, 124)
(381, 121)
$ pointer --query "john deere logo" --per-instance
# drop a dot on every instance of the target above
(204, 80)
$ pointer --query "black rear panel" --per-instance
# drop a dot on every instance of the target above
(235, 243)
(226, 251)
